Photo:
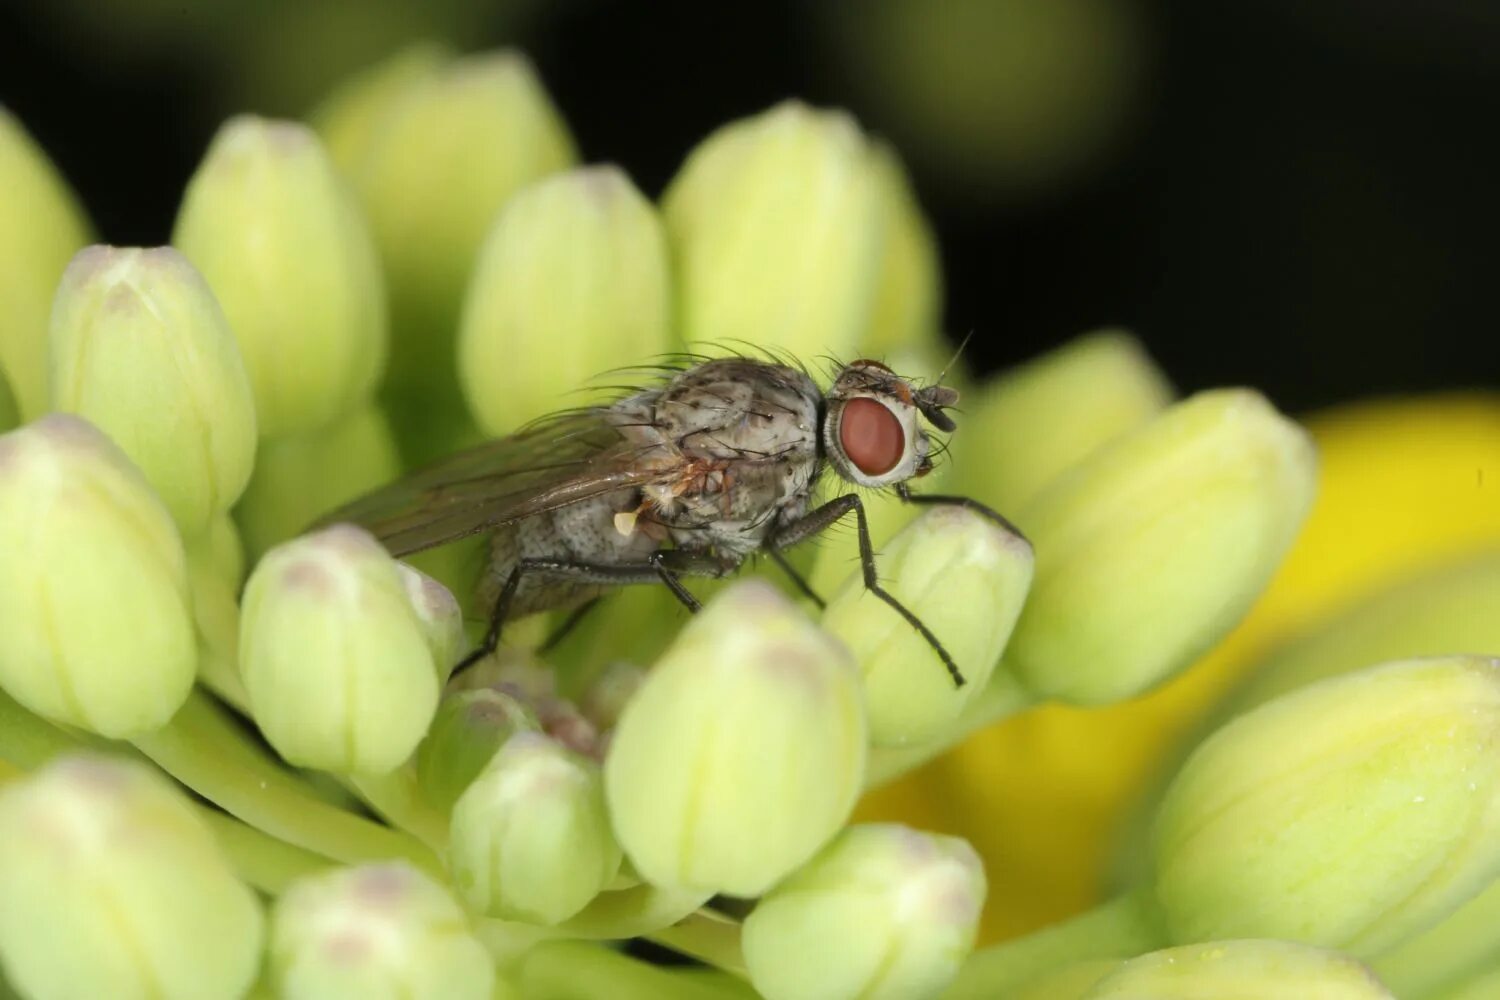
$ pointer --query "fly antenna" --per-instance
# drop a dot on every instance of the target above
(956, 355)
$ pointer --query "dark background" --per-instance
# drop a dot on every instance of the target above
(1295, 194)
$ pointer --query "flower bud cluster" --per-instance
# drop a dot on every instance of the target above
(430, 265)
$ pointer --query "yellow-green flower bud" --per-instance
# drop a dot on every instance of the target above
(776, 226)
(908, 291)
(114, 887)
(300, 477)
(530, 836)
(1153, 548)
(375, 931)
(1269, 828)
(743, 751)
(131, 326)
(349, 118)
(1028, 426)
(607, 694)
(95, 625)
(452, 150)
(469, 728)
(571, 281)
(342, 670)
(1240, 970)
(882, 912)
(277, 233)
(41, 227)
(966, 579)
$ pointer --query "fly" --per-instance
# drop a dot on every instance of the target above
(689, 477)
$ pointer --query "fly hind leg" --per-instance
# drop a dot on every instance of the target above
(667, 567)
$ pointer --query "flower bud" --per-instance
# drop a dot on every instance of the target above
(1225, 970)
(1028, 426)
(530, 835)
(1452, 951)
(218, 551)
(1266, 830)
(95, 627)
(883, 911)
(340, 667)
(276, 232)
(349, 118)
(300, 477)
(571, 281)
(608, 693)
(113, 886)
(130, 325)
(41, 227)
(776, 226)
(1153, 548)
(375, 931)
(908, 291)
(470, 726)
(743, 751)
(438, 614)
(451, 151)
(965, 578)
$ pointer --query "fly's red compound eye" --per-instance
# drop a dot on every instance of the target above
(871, 436)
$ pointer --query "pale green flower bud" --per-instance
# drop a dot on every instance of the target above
(342, 670)
(1028, 426)
(908, 291)
(1450, 952)
(114, 887)
(572, 281)
(1240, 970)
(743, 751)
(41, 227)
(276, 231)
(966, 579)
(776, 226)
(95, 626)
(469, 728)
(530, 835)
(130, 325)
(1153, 548)
(882, 912)
(300, 477)
(1267, 829)
(351, 116)
(375, 931)
(607, 694)
(451, 151)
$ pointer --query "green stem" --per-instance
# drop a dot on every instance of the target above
(205, 751)
(577, 969)
(1001, 698)
(260, 859)
(398, 798)
(708, 936)
(1121, 928)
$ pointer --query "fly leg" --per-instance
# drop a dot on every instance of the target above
(823, 517)
(948, 500)
(665, 566)
(568, 624)
(797, 578)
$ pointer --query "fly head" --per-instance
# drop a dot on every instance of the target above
(872, 428)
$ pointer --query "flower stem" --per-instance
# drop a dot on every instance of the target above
(1121, 928)
(574, 968)
(708, 936)
(203, 750)
(397, 797)
(260, 859)
(1002, 697)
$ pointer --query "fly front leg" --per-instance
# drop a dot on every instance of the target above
(825, 516)
(666, 566)
(968, 503)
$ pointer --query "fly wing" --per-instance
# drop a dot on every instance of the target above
(560, 461)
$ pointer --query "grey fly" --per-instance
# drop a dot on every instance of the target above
(688, 477)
